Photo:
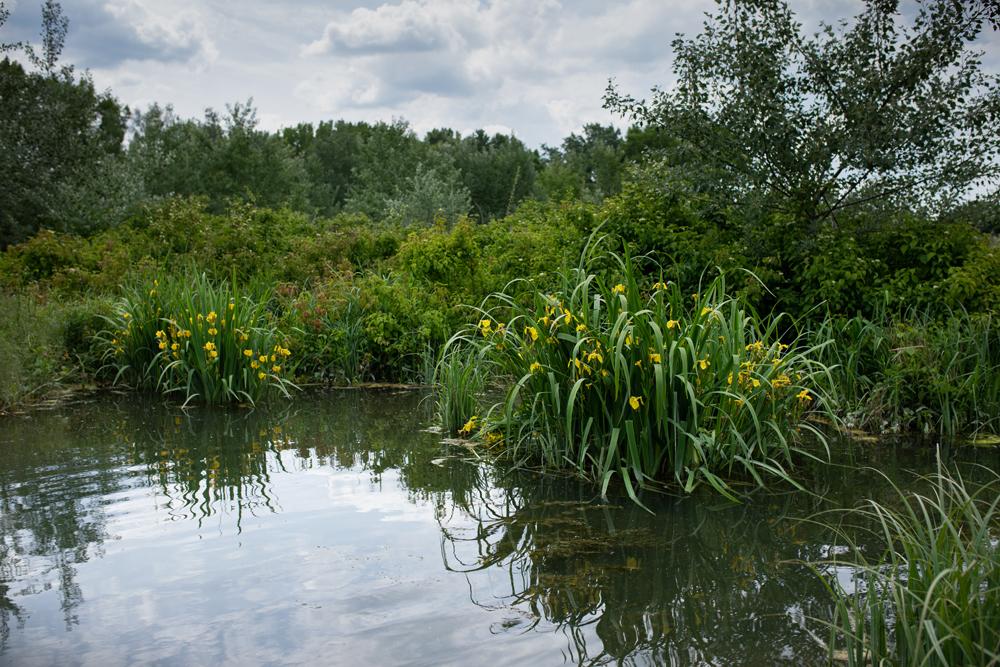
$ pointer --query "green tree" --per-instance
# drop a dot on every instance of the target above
(388, 155)
(499, 171)
(429, 196)
(387, 161)
(330, 152)
(873, 110)
(223, 157)
(57, 133)
(588, 165)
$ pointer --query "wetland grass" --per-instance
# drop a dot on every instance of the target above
(630, 378)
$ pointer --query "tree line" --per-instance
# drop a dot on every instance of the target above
(876, 114)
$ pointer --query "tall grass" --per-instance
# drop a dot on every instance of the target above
(619, 378)
(915, 372)
(45, 345)
(30, 348)
(329, 334)
(202, 340)
(459, 380)
(856, 351)
(932, 597)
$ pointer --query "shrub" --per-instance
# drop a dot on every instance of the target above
(344, 244)
(445, 257)
(660, 214)
(402, 319)
(325, 324)
(865, 267)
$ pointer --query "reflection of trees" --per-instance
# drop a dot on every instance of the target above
(375, 433)
(693, 583)
(51, 512)
(222, 461)
(8, 610)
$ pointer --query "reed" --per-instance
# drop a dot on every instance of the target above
(932, 596)
(915, 372)
(459, 380)
(31, 348)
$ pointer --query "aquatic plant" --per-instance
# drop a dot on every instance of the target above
(458, 380)
(932, 596)
(914, 372)
(203, 340)
(612, 377)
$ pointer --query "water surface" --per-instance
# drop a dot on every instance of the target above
(338, 530)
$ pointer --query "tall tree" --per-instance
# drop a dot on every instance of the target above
(498, 171)
(223, 157)
(871, 110)
(389, 158)
(56, 132)
(330, 153)
(588, 165)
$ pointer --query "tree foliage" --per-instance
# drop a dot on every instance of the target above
(588, 165)
(222, 157)
(56, 131)
(872, 110)
(499, 171)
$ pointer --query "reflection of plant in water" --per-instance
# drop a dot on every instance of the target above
(209, 461)
(695, 581)
(8, 610)
(51, 515)
(931, 594)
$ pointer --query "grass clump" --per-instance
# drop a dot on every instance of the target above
(615, 378)
(936, 375)
(31, 351)
(459, 379)
(203, 340)
(932, 596)
(45, 346)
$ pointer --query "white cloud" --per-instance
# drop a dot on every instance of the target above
(168, 27)
(407, 27)
(492, 61)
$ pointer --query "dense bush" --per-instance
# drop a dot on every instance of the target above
(363, 301)
(255, 243)
(865, 266)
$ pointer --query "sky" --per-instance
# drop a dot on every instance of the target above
(534, 68)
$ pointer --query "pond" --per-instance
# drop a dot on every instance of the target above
(340, 530)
